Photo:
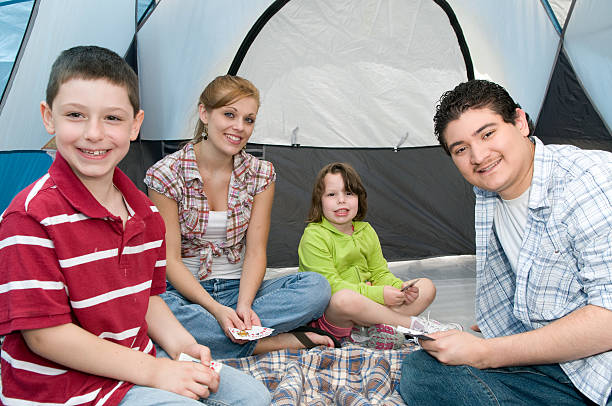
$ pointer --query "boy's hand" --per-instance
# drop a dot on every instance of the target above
(411, 292)
(393, 296)
(200, 352)
(228, 318)
(248, 316)
(185, 378)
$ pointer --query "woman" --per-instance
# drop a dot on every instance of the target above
(216, 201)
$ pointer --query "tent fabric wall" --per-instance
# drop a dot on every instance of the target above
(416, 212)
(173, 73)
(54, 26)
(587, 42)
(29, 165)
(346, 73)
(552, 56)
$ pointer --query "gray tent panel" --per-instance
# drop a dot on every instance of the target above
(416, 211)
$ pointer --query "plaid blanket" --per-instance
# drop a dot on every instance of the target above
(351, 375)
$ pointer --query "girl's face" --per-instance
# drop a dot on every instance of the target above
(339, 205)
(231, 126)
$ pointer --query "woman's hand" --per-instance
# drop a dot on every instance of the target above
(228, 318)
(248, 316)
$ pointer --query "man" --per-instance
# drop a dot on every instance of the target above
(543, 223)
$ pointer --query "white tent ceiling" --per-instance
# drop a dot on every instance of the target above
(344, 73)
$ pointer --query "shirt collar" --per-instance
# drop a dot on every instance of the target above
(542, 170)
(358, 226)
(190, 165)
(71, 187)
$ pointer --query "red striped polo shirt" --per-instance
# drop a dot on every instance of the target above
(65, 259)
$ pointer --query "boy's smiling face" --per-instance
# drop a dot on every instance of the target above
(93, 122)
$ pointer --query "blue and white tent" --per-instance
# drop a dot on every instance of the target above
(346, 80)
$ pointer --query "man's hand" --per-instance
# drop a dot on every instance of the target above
(455, 347)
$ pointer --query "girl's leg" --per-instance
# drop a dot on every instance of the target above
(427, 293)
(348, 308)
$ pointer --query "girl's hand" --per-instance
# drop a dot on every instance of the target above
(186, 378)
(248, 316)
(227, 318)
(411, 293)
(393, 296)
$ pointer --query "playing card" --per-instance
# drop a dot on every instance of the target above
(409, 285)
(215, 366)
(414, 333)
(255, 333)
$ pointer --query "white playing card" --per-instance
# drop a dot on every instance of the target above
(414, 333)
(215, 366)
(255, 333)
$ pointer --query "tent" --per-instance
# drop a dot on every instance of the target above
(353, 81)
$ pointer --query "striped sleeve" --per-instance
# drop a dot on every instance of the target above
(32, 287)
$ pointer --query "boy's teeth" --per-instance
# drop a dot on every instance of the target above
(94, 153)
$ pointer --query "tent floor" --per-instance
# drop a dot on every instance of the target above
(454, 277)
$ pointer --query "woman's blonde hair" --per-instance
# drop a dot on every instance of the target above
(223, 90)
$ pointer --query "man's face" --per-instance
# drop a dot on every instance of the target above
(490, 153)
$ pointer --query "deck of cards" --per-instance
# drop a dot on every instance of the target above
(254, 333)
(215, 366)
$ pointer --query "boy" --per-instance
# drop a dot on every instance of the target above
(82, 260)
(543, 222)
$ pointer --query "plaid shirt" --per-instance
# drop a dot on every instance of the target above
(565, 261)
(177, 177)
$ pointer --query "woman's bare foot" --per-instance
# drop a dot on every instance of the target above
(289, 341)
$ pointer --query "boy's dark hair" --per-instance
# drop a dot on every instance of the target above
(352, 183)
(474, 94)
(92, 62)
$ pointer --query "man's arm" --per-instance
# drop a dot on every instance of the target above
(580, 334)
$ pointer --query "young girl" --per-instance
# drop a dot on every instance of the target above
(346, 250)
(216, 201)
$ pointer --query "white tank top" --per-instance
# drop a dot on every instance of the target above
(216, 231)
(510, 222)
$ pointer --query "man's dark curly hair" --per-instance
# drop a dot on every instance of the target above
(474, 94)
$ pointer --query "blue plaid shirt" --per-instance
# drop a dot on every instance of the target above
(565, 261)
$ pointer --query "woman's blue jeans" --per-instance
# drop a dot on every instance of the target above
(282, 303)
(425, 381)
